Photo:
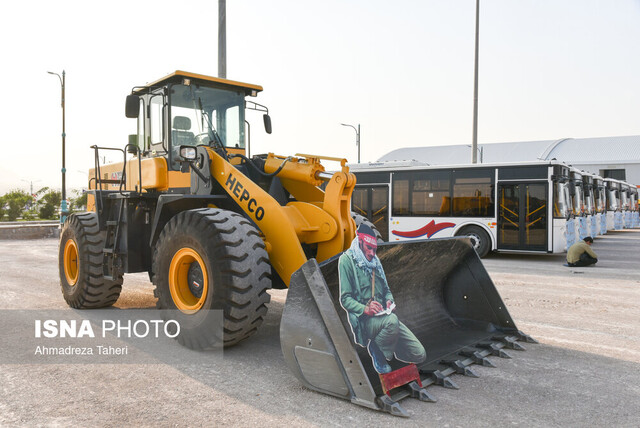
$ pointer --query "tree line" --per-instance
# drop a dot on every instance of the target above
(42, 205)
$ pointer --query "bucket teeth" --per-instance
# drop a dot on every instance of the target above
(440, 378)
(460, 367)
(470, 373)
(477, 357)
(390, 406)
(487, 363)
(525, 337)
(420, 393)
(510, 342)
(495, 349)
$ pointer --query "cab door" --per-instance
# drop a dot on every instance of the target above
(522, 216)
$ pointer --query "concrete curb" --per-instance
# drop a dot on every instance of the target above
(30, 230)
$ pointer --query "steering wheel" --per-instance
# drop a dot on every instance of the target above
(202, 138)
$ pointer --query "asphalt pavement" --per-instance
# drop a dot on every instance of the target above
(585, 371)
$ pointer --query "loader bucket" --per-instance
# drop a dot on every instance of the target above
(443, 294)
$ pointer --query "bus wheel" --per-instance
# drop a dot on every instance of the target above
(479, 239)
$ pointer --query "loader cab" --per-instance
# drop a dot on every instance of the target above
(189, 109)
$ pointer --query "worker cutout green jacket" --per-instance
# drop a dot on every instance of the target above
(365, 295)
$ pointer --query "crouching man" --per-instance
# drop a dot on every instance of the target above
(581, 254)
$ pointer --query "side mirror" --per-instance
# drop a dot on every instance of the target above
(572, 188)
(132, 106)
(267, 123)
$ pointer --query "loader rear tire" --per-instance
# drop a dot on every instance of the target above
(80, 258)
(207, 260)
(359, 219)
(479, 239)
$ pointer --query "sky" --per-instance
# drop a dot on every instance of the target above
(403, 70)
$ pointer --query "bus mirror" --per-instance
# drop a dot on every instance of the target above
(267, 123)
(572, 188)
(132, 106)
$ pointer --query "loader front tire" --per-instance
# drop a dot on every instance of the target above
(80, 258)
(210, 260)
(479, 239)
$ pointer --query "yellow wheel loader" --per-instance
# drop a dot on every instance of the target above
(216, 229)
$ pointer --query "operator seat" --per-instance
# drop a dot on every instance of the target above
(181, 134)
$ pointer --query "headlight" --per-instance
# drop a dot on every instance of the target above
(188, 153)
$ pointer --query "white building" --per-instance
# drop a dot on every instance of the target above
(615, 157)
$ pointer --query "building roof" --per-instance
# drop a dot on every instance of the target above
(569, 150)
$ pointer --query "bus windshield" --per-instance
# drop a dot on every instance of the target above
(624, 201)
(560, 196)
(588, 202)
(601, 200)
(577, 200)
(613, 201)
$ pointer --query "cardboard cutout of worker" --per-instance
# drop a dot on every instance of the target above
(367, 299)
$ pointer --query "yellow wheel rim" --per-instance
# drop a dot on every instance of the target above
(71, 265)
(181, 293)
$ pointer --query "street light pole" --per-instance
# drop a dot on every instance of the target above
(357, 137)
(222, 39)
(474, 143)
(63, 203)
(478, 149)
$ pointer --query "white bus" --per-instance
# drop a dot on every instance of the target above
(614, 208)
(590, 208)
(579, 212)
(635, 218)
(515, 207)
(600, 200)
(628, 197)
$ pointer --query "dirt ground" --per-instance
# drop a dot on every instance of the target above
(584, 372)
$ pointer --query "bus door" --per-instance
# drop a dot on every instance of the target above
(522, 216)
(372, 202)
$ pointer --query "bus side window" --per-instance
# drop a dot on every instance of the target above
(400, 196)
(473, 193)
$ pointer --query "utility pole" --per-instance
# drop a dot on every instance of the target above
(474, 143)
(222, 39)
(63, 203)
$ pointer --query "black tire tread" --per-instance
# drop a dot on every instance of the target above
(93, 290)
(242, 267)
